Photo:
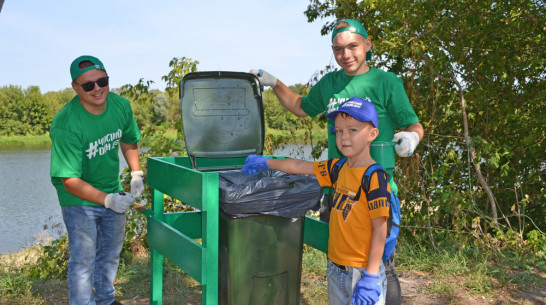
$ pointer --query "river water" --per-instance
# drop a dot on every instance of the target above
(29, 202)
(29, 210)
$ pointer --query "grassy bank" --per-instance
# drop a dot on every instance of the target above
(427, 277)
(42, 140)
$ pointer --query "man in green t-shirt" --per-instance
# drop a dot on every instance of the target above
(86, 135)
(352, 48)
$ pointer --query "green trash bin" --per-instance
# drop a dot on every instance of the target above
(260, 260)
(262, 216)
(261, 236)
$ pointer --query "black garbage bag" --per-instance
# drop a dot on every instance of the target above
(268, 192)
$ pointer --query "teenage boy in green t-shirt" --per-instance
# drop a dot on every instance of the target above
(352, 48)
(86, 135)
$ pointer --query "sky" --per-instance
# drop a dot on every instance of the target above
(137, 39)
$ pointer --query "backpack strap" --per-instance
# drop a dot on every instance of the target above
(334, 171)
(367, 177)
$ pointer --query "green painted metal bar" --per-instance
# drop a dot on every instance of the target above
(175, 181)
(315, 234)
(178, 248)
(156, 283)
(156, 258)
(147, 213)
(219, 163)
(171, 235)
(210, 227)
(187, 223)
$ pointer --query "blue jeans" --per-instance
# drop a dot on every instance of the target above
(341, 283)
(95, 240)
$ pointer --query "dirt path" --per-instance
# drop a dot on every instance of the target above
(415, 288)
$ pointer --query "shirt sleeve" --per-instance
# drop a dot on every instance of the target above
(311, 104)
(66, 154)
(399, 107)
(322, 171)
(131, 132)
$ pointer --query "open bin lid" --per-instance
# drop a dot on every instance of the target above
(222, 115)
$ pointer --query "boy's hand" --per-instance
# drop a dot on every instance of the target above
(265, 78)
(408, 142)
(254, 164)
(367, 290)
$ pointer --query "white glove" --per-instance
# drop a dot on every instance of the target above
(137, 183)
(119, 202)
(408, 142)
(265, 78)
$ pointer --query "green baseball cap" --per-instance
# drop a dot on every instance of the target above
(75, 70)
(355, 27)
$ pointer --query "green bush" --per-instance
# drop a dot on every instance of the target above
(52, 261)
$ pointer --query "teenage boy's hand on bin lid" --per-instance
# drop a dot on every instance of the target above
(265, 78)
(367, 290)
(137, 183)
(119, 202)
(408, 142)
(254, 164)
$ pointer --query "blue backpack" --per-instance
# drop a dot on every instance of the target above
(393, 222)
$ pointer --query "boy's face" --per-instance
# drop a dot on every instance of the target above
(350, 52)
(353, 137)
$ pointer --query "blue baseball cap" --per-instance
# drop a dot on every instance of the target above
(354, 27)
(360, 109)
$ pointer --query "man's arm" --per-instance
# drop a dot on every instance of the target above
(83, 190)
(417, 127)
(130, 152)
(289, 99)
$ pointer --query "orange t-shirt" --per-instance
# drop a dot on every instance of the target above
(350, 222)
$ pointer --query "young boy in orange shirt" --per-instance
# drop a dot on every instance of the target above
(358, 227)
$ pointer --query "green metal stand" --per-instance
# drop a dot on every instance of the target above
(172, 235)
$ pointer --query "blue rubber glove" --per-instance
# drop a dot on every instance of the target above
(254, 164)
(367, 290)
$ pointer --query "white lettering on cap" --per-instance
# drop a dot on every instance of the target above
(354, 104)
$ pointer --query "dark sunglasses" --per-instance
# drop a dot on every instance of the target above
(88, 86)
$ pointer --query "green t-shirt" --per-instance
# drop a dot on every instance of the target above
(384, 89)
(86, 145)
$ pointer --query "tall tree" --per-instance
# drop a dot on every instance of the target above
(474, 71)
(179, 67)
